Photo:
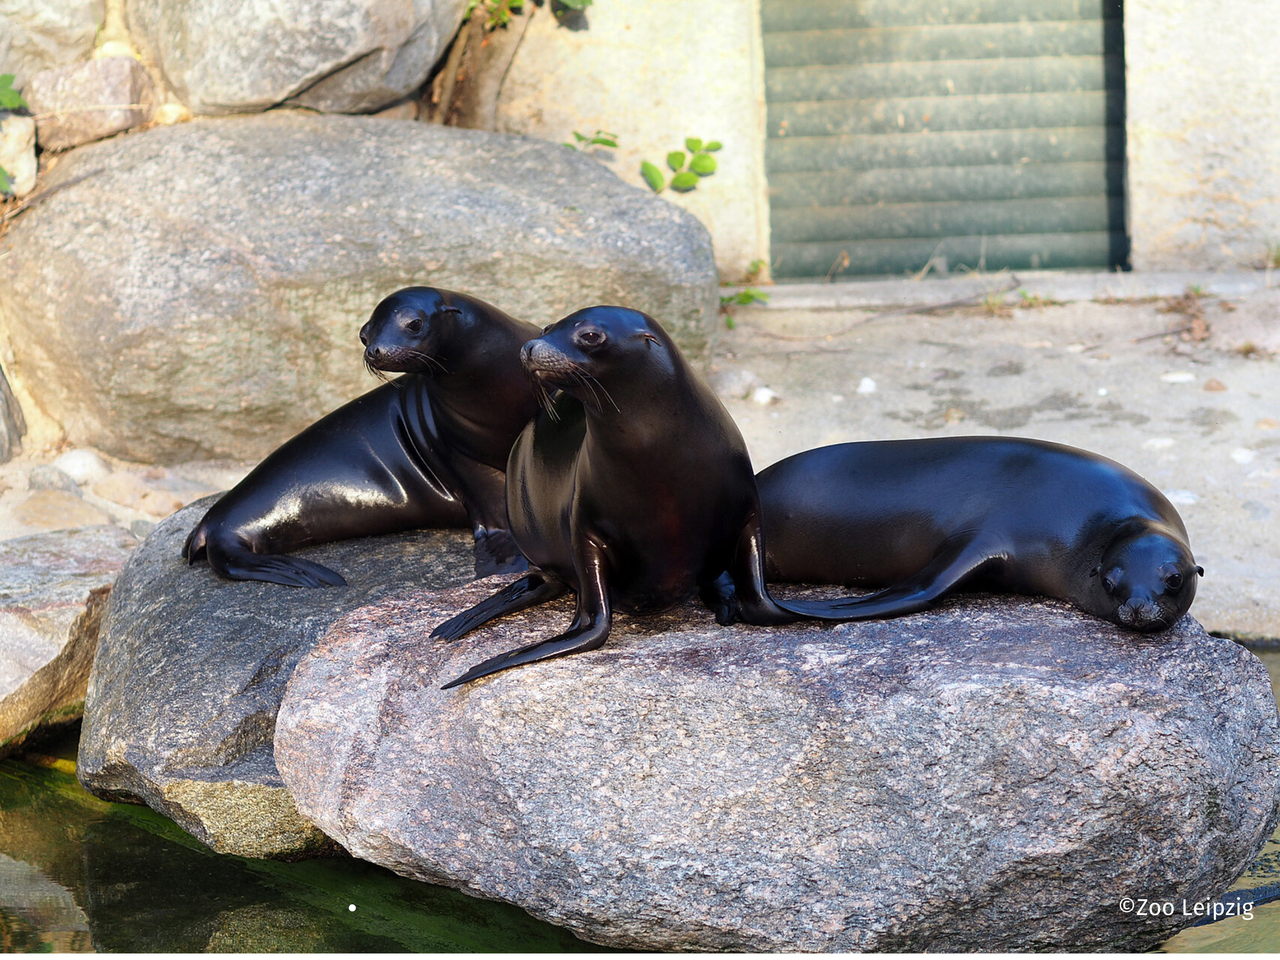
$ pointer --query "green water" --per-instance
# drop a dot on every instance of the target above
(78, 874)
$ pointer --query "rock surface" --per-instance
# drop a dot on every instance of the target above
(36, 35)
(154, 324)
(341, 56)
(89, 101)
(53, 590)
(18, 153)
(13, 425)
(993, 775)
(190, 671)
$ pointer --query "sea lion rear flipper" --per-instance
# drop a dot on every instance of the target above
(236, 564)
(954, 562)
(528, 591)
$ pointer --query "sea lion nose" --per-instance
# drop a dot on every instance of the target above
(537, 355)
(374, 353)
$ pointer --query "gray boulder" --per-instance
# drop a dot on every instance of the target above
(190, 670)
(89, 101)
(993, 775)
(199, 296)
(13, 425)
(53, 591)
(342, 56)
(36, 35)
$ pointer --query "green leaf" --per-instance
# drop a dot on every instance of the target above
(6, 185)
(579, 136)
(692, 144)
(713, 146)
(576, 4)
(684, 182)
(675, 159)
(703, 164)
(652, 176)
(9, 98)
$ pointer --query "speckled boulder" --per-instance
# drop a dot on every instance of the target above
(347, 56)
(993, 775)
(190, 670)
(53, 591)
(160, 314)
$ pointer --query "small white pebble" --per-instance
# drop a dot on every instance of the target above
(1075, 348)
(351, 907)
(764, 396)
(1178, 376)
(1158, 443)
(1243, 455)
(837, 398)
(82, 466)
(1182, 498)
(1102, 391)
(866, 385)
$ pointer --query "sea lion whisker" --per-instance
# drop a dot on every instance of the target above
(377, 374)
(428, 359)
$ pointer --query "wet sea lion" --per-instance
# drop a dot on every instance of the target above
(426, 450)
(632, 488)
(922, 518)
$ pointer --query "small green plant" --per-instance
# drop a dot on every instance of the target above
(10, 99)
(700, 164)
(754, 269)
(743, 298)
(497, 12)
(601, 138)
(1273, 255)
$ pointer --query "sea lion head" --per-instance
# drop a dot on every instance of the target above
(409, 330)
(585, 353)
(1147, 580)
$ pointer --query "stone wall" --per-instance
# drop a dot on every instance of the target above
(654, 73)
(1203, 80)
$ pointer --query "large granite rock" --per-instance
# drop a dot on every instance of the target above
(53, 591)
(158, 313)
(89, 101)
(340, 56)
(190, 670)
(993, 775)
(36, 35)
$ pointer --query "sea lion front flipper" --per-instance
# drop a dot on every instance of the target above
(235, 564)
(954, 562)
(589, 630)
(744, 595)
(576, 640)
(528, 591)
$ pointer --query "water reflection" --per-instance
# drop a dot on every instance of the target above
(77, 874)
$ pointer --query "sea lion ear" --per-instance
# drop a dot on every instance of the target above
(650, 337)
(1200, 570)
(1095, 571)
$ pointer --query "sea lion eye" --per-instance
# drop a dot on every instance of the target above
(1173, 581)
(590, 337)
(1108, 585)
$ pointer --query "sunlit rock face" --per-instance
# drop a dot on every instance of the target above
(994, 774)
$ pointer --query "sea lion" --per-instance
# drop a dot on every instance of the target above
(425, 450)
(921, 518)
(633, 488)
